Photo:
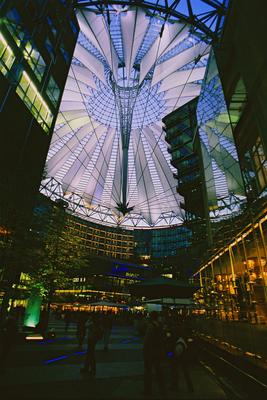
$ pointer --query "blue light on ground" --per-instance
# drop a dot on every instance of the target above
(52, 360)
(55, 359)
(130, 340)
(78, 353)
(45, 341)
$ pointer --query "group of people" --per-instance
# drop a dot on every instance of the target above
(93, 328)
(165, 343)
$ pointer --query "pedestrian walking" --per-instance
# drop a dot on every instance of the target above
(107, 327)
(81, 328)
(180, 359)
(94, 333)
(67, 320)
(153, 352)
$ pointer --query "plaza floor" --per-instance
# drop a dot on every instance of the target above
(50, 369)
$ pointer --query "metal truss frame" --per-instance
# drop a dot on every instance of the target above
(209, 23)
(229, 206)
(101, 214)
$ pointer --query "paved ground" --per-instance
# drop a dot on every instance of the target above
(51, 370)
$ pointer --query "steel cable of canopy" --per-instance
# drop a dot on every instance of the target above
(145, 134)
(111, 54)
(153, 150)
(177, 9)
(116, 117)
(94, 131)
(123, 160)
(174, 107)
(146, 101)
(199, 123)
(77, 82)
(124, 179)
(142, 124)
(153, 69)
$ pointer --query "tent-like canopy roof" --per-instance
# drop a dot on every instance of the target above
(131, 67)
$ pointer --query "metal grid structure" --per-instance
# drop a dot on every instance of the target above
(132, 65)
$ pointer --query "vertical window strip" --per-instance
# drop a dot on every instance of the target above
(34, 101)
(7, 56)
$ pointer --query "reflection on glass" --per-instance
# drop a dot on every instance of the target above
(6, 55)
(34, 101)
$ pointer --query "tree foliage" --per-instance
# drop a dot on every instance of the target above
(56, 253)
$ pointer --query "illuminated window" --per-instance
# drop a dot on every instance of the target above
(50, 48)
(65, 54)
(6, 56)
(34, 101)
(12, 24)
(52, 26)
(53, 91)
(35, 60)
(260, 163)
(73, 27)
(238, 102)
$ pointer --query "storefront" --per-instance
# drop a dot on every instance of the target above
(234, 281)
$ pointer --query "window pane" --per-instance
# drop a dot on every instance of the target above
(34, 101)
(53, 91)
(6, 54)
(24, 83)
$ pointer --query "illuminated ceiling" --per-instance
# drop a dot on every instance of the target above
(131, 67)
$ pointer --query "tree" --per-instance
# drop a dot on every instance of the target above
(56, 253)
(14, 227)
(15, 237)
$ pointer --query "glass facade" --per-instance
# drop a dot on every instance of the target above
(7, 56)
(182, 135)
(160, 243)
(27, 113)
(31, 97)
(26, 67)
(232, 302)
(102, 241)
(254, 168)
(35, 61)
(222, 172)
(28, 57)
(234, 281)
(53, 91)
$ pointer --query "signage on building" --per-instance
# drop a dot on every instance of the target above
(128, 271)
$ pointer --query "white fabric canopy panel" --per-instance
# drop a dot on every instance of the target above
(108, 145)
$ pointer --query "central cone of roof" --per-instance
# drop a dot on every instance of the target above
(129, 70)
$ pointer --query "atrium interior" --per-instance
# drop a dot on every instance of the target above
(133, 180)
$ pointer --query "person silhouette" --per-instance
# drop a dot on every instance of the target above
(153, 352)
(94, 333)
